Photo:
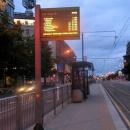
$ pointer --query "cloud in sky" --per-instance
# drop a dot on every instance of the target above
(96, 15)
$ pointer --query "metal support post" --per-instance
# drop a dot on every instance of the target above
(54, 100)
(88, 89)
(84, 85)
(82, 47)
(62, 93)
(18, 113)
(38, 94)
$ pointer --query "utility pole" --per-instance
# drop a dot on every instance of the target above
(84, 84)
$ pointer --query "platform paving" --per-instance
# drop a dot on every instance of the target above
(96, 113)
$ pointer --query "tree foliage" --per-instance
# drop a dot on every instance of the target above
(10, 35)
(17, 53)
(47, 62)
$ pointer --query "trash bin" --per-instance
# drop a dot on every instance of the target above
(77, 96)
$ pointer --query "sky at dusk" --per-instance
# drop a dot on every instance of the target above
(106, 27)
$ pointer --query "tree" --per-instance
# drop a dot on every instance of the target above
(10, 35)
(47, 62)
(17, 53)
(29, 71)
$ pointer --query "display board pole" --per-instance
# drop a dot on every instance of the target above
(38, 94)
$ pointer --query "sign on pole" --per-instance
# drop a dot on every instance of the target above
(60, 23)
(52, 24)
(38, 90)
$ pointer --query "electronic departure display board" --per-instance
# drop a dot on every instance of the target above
(60, 23)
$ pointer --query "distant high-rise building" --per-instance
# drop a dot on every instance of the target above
(27, 23)
(10, 8)
(7, 5)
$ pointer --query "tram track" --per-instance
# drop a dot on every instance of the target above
(120, 99)
(116, 98)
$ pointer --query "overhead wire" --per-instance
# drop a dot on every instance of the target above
(123, 30)
(112, 31)
(105, 59)
(118, 38)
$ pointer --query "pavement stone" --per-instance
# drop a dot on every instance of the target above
(92, 114)
(119, 124)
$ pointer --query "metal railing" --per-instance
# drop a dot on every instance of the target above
(18, 112)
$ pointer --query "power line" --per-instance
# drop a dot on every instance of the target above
(110, 31)
(117, 39)
(100, 31)
(100, 36)
(124, 28)
(104, 31)
(103, 64)
(104, 58)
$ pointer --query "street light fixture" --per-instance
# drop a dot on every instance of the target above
(67, 51)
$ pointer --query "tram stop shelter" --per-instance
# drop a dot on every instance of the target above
(80, 80)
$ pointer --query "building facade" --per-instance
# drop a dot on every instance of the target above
(2, 5)
(64, 56)
(10, 8)
(26, 19)
(7, 5)
(61, 51)
(27, 23)
(126, 69)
